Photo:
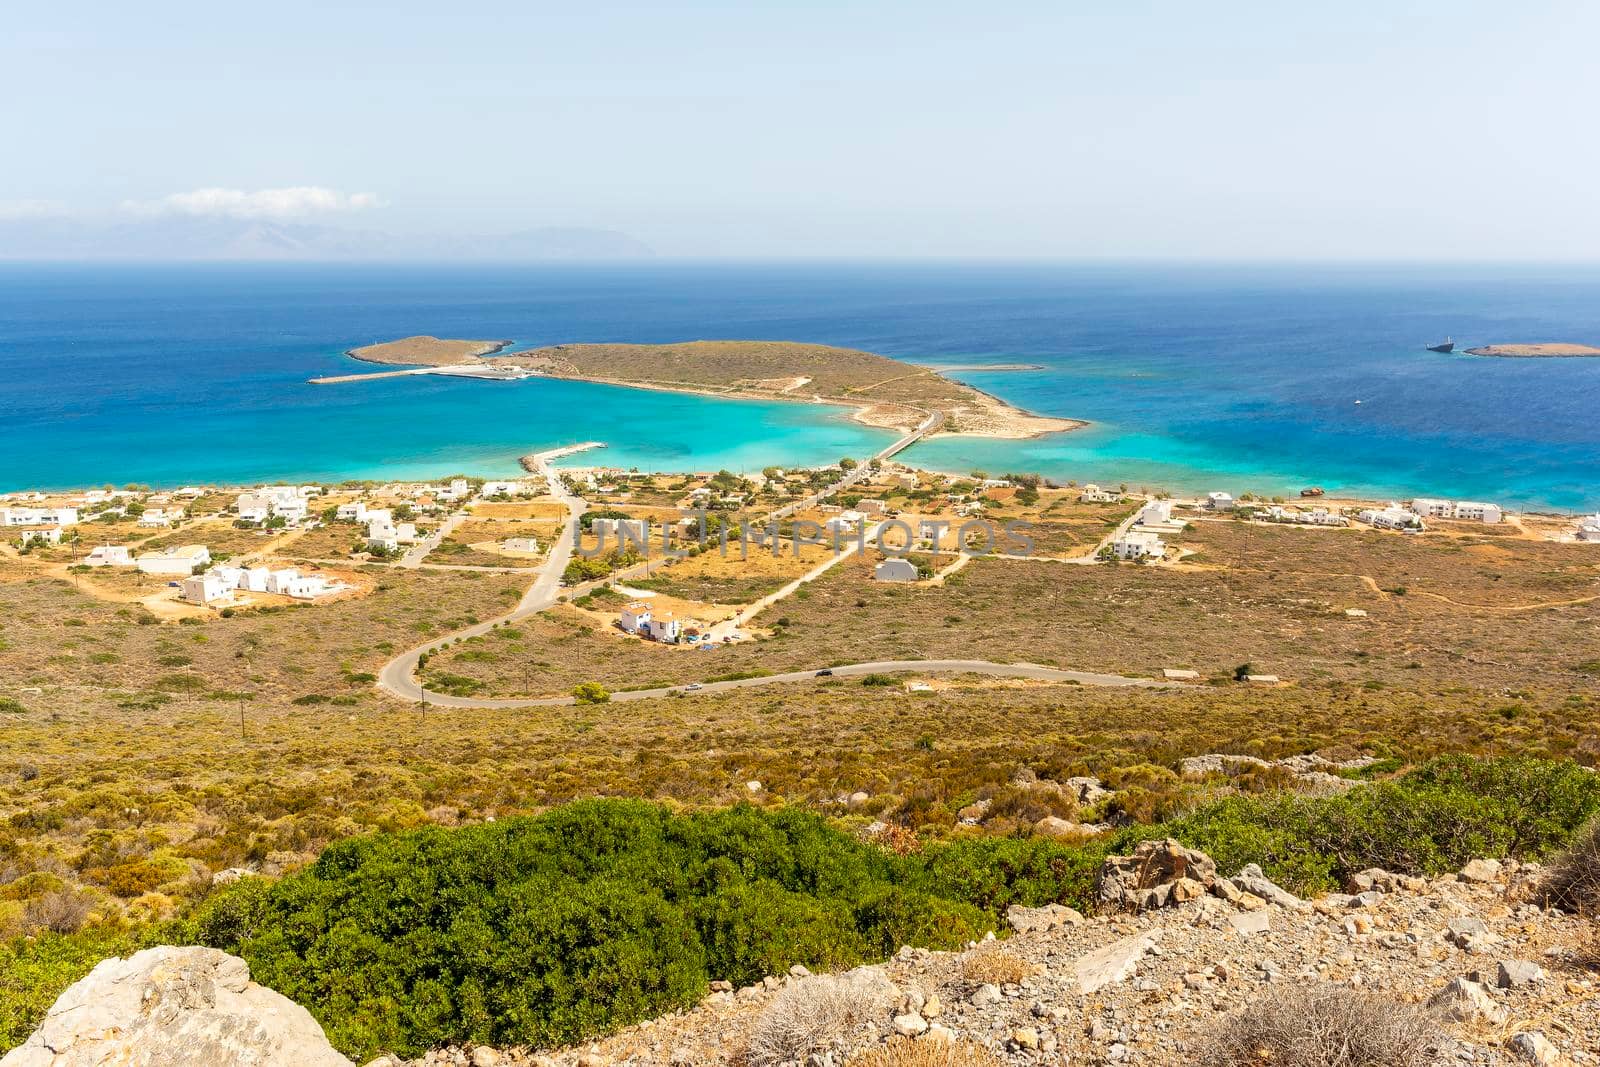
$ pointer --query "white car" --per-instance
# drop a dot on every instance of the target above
(692, 686)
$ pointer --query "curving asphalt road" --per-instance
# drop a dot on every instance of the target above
(888, 666)
(399, 674)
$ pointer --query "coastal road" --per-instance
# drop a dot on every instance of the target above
(1031, 671)
(398, 676)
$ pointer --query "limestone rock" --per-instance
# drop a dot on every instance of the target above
(1113, 963)
(1464, 1000)
(1146, 879)
(174, 1007)
(1025, 920)
(1253, 880)
(1531, 1046)
(1481, 871)
(1514, 974)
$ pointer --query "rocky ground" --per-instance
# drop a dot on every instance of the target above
(1505, 979)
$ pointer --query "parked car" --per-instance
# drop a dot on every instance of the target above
(826, 672)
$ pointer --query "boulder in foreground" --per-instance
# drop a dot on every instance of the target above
(174, 1007)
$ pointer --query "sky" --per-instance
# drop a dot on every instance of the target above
(1454, 129)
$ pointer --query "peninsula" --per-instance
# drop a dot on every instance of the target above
(881, 392)
(1555, 350)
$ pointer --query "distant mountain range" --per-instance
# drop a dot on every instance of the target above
(190, 238)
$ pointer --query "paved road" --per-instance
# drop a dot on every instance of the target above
(893, 666)
(418, 552)
(398, 675)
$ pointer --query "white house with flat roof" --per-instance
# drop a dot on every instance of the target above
(1138, 544)
(1219, 501)
(634, 616)
(1461, 510)
(207, 588)
(622, 531)
(180, 561)
(160, 517)
(505, 489)
(1392, 517)
(109, 556)
(354, 511)
(1093, 494)
(38, 516)
(520, 544)
(663, 626)
(1588, 528)
(41, 535)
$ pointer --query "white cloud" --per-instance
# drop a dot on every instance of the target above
(31, 209)
(291, 203)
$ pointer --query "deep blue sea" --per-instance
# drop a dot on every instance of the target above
(1243, 378)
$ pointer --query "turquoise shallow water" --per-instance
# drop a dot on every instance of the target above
(1194, 377)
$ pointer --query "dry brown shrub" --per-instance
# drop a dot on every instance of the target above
(1323, 1025)
(996, 965)
(1586, 952)
(61, 912)
(818, 1011)
(925, 1052)
(1573, 881)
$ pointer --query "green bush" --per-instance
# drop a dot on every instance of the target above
(556, 928)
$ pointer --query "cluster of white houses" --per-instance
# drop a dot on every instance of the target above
(222, 583)
(384, 534)
(291, 503)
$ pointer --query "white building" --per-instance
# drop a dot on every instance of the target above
(1155, 513)
(663, 626)
(1462, 510)
(1476, 511)
(42, 535)
(634, 616)
(180, 561)
(355, 511)
(1589, 528)
(1138, 544)
(38, 516)
(109, 556)
(1093, 494)
(1219, 501)
(520, 544)
(160, 516)
(505, 489)
(1393, 517)
(253, 507)
(287, 502)
(895, 570)
(207, 588)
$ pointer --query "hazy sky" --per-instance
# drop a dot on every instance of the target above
(1401, 129)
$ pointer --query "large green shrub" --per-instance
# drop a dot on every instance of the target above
(555, 928)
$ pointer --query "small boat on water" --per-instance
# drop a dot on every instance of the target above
(1447, 345)
(1315, 490)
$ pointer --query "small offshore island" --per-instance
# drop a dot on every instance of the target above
(1549, 350)
(881, 392)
